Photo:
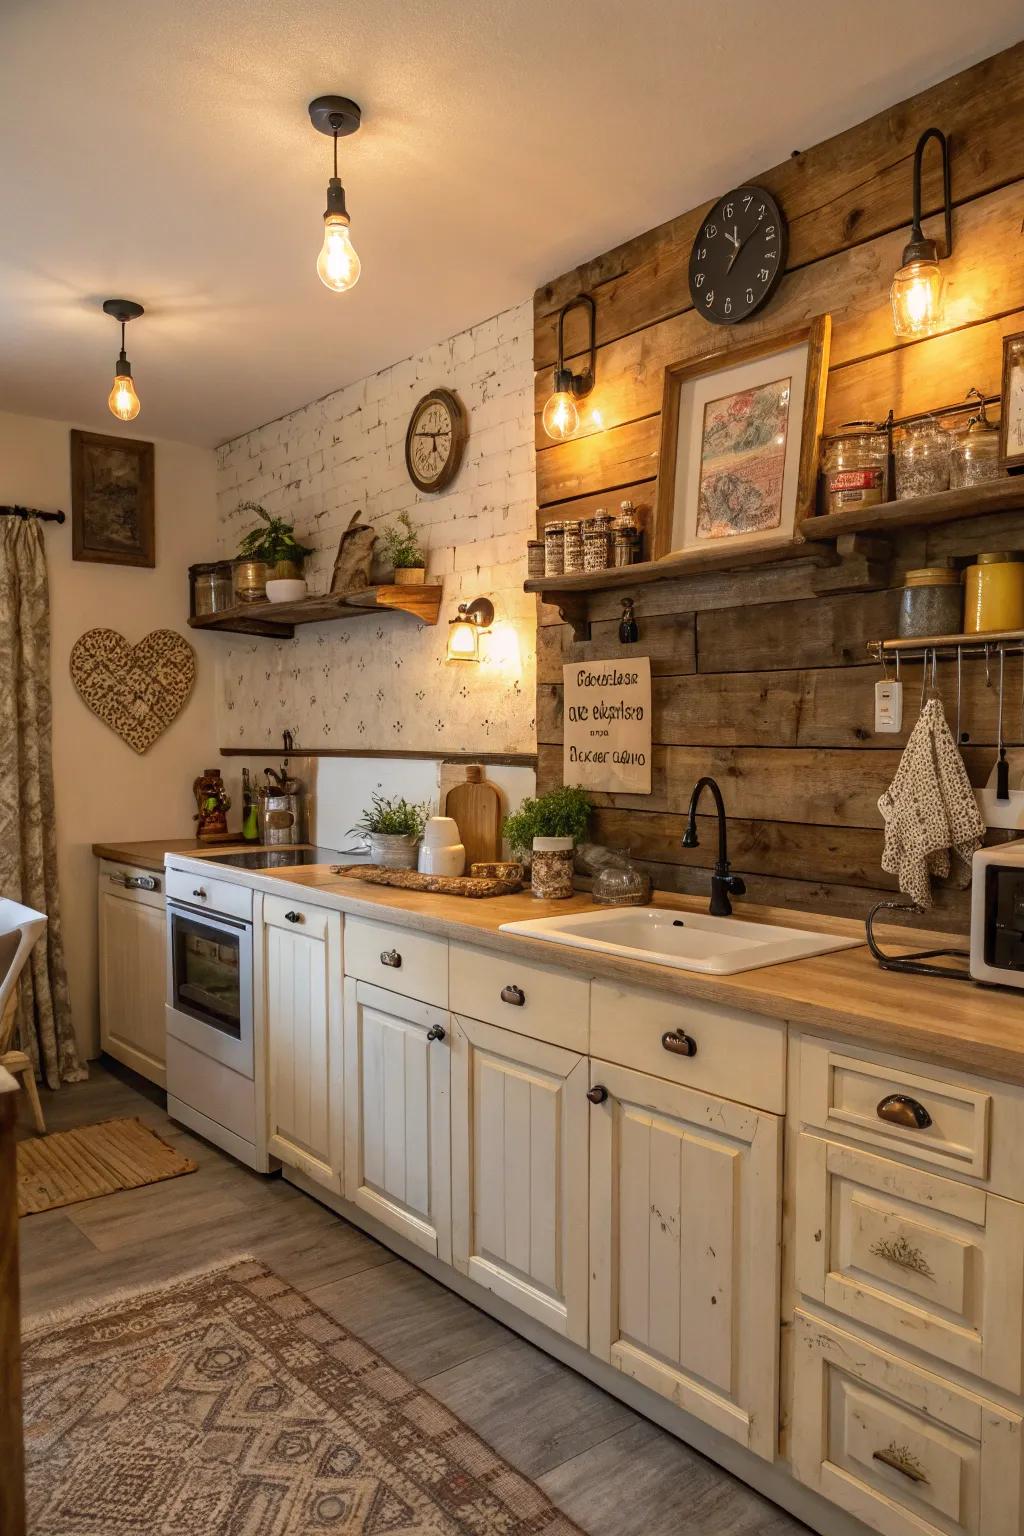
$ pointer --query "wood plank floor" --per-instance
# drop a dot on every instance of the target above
(610, 1470)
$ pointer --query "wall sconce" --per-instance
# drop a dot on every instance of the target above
(916, 292)
(464, 632)
(124, 403)
(561, 418)
(338, 266)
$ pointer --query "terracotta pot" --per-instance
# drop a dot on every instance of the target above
(551, 868)
(410, 575)
(392, 851)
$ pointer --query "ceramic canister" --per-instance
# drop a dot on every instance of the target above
(441, 852)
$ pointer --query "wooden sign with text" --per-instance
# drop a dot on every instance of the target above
(608, 725)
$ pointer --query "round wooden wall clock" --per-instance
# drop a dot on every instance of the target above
(435, 441)
(738, 257)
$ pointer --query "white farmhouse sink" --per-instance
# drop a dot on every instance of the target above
(690, 941)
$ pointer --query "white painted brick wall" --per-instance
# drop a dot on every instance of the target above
(381, 682)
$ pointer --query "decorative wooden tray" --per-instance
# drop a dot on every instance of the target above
(436, 885)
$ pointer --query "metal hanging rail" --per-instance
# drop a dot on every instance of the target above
(44, 517)
(1007, 641)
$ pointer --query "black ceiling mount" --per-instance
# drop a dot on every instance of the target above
(123, 309)
(334, 115)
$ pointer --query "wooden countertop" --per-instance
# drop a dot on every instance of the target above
(151, 855)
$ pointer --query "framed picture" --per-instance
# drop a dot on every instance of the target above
(1011, 422)
(740, 435)
(112, 517)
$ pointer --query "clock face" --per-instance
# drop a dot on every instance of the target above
(435, 441)
(738, 257)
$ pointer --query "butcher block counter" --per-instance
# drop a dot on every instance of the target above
(150, 855)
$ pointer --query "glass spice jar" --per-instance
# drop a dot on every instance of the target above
(212, 587)
(855, 467)
(535, 566)
(922, 459)
(974, 455)
(573, 550)
(932, 601)
(554, 549)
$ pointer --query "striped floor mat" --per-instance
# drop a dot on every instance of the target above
(92, 1160)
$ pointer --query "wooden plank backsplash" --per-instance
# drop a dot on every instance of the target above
(758, 679)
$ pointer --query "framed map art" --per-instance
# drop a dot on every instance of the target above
(740, 434)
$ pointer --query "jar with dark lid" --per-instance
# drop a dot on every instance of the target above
(932, 601)
(974, 455)
(855, 467)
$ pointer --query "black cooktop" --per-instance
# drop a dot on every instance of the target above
(279, 858)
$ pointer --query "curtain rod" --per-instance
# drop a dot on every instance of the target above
(44, 517)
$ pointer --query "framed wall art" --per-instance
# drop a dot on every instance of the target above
(112, 505)
(1011, 422)
(740, 437)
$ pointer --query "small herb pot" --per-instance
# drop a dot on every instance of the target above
(551, 868)
(410, 575)
(393, 851)
(250, 578)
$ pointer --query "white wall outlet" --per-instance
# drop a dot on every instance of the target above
(888, 706)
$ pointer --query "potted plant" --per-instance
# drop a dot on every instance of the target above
(393, 829)
(403, 551)
(269, 557)
(549, 828)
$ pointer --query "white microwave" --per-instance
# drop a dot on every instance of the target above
(997, 915)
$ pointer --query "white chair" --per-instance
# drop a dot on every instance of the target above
(20, 927)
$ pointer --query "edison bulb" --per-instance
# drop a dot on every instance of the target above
(916, 298)
(561, 418)
(124, 403)
(338, 266)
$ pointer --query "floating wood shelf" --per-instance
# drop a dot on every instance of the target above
(278, 620)
(1005, 495)
(489, 759)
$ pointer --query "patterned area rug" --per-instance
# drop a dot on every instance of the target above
(68, 1166)
(226, 1404)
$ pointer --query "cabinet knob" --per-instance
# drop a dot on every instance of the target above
(435, 1032)
(679, 1044)
(293, 917)
(514, 995)
(200, 895)
(597, 1094)
(392, 958)
(901, 1109)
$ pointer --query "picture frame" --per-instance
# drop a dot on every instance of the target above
(112, 500)
(1011, 418)
(740, 442)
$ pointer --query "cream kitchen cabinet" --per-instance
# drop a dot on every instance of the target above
(133, 968)
(302, 984)
(519, 1172)
(685, 1192)
(397, 1114)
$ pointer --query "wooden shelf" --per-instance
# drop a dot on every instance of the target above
(278, 620)
(1005, 495)
(489, 759)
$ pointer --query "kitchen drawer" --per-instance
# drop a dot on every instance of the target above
(215, 895)
(897, 1447)
(737, 1055)
(297, 916)
(400, 959)
(122, 880)
(935, 1264)
(534, 1000)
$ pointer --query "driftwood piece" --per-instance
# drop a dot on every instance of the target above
(354, 560)
(438, 885)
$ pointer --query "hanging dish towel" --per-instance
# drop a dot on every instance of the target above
(929, 810)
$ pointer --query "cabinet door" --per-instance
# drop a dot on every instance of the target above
(133, 982)
(685, 1195)
(302, 982)
(397, 1128)
(519, 1172)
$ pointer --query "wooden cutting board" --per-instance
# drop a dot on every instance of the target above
(475, 806)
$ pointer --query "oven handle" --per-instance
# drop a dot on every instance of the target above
(214, 919)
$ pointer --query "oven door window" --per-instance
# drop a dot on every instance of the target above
(207, 974)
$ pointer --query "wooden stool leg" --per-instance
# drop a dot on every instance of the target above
(20, 1064)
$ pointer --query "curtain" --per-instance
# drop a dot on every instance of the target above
(28, 848)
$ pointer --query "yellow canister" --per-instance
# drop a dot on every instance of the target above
(994, 593)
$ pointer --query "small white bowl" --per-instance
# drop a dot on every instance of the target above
(286, 590)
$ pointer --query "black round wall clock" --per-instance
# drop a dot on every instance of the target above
(738, 257)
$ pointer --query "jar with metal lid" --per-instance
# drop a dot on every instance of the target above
(573, 547)
(922, 459)
(554, 549)
(211, 587)
(534, 558)
(932, 601)
(974, 455)
(597, 543)
(994, 593)
(855, 467)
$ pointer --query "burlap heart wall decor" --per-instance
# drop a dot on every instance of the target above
(138, 690)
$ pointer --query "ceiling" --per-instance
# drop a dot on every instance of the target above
(162, 152)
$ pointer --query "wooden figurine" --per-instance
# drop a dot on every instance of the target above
(212, 804)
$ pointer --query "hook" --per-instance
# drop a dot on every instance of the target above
(988, 669)
(959, 686)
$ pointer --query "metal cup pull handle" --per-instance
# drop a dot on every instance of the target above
(901, 1109)
(392, 958)
(293, 917)
(436, 1032)
(514, 995)
(679, 1044)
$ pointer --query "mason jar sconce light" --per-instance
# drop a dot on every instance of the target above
(561, 418)
(916, 293)
(464, 631)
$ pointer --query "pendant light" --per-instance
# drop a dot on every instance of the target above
(916, 292)
(337, 266)
(560, 417)
(124, 403)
